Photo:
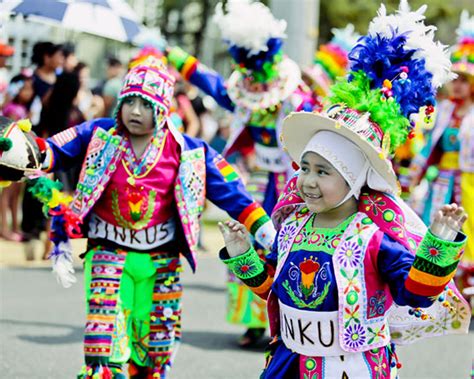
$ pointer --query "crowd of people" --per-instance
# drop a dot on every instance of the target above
(350, 211)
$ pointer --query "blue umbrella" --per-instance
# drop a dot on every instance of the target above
(113, 19)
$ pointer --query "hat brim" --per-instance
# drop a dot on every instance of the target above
(299, 127)
(289, 75)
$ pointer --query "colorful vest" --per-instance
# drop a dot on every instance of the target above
(363, 298)
(104, 153)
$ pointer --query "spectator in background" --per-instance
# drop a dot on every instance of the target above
(20, 91)
(91, 106)
(113, 85)
(48, 58)
(5, 52)
(59, 113)
(70, 59)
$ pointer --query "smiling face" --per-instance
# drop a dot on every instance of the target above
(320, 184)
(137, 116)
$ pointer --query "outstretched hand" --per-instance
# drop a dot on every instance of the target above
(448, 221)
(236, 237)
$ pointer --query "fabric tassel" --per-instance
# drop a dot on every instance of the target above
(63, 268)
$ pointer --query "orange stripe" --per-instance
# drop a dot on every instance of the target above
(94, 317)
(187, 67)
(254, 216)
(264, 287)
(246, 212)
(428, 279)
(166, 296)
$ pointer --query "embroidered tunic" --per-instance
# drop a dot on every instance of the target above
(306, 281)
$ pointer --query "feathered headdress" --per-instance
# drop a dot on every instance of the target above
(463, 52)
(394, 71)
(254, 37)
(263, 77)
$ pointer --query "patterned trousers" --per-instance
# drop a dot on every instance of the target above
(133, 310)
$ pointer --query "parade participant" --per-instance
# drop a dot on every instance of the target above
(264, 87)
(347, 247)
(331, 61)
(447, 160)
(140, 195)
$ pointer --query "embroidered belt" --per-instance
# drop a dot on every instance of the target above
(144, 239)
(314, 334)
(270, 158)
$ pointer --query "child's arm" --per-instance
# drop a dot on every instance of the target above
(69, 146)
(242, 259)
(225, 188)
(418, 280)
(199, 75)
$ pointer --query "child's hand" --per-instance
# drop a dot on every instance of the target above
(448, 221)
(236, 237)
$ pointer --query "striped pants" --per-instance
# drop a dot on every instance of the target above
(133, 310)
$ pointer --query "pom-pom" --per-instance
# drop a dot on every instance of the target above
(41, 144)
(5, 144)
(24, 125)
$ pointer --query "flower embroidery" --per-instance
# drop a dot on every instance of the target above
(354, 336)
(432, 252)
(246, 268)
(286, 237)
(308, 269)
(350, 254)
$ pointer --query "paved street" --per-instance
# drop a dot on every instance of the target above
(41, 327)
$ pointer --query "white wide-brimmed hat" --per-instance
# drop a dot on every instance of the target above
(300, 127)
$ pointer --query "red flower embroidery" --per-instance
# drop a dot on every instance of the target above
(309, 266)
(433, 252)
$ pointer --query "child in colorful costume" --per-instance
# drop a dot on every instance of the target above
(331, 61)
(347, 247)
(140, 195)
(263, 89)
(447, 160)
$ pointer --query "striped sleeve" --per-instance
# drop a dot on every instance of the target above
(185, 63)
(434, 266)
(252, 270)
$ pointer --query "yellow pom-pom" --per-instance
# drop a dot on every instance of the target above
(24, 125)
(387, 84)
(4, 183)
(58, 198)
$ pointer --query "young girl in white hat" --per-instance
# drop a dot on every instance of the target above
(353, 269)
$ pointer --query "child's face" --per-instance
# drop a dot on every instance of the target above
(137, 116)
(320, 184)
(26, 93)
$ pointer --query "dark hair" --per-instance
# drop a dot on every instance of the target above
(40, 49)
(55, 113)
(113, 62)
(68, 49)
(79, 67)
(19, 78)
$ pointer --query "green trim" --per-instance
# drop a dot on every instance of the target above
(322, 238)
(259, 223)
(255, 265)
(357, 95)
(424, 265)
(440, 252)
(177, 57)
(256, 281)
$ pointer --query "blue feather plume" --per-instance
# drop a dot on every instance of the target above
(255, 62)
(382, 58)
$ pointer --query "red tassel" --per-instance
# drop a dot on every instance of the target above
(41, 144)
